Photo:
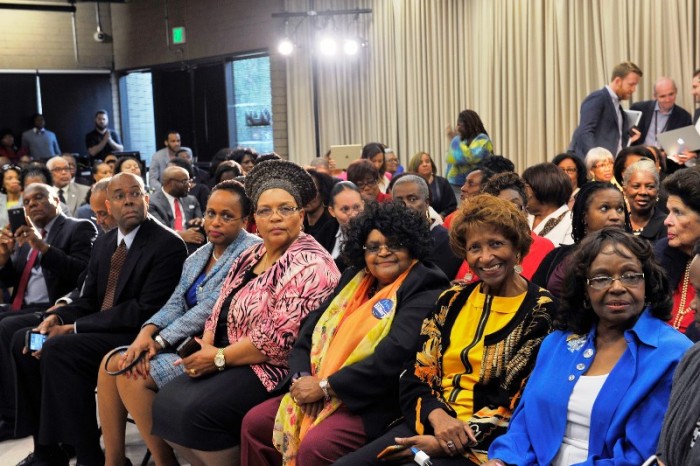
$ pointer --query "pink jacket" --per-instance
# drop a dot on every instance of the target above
(270, 307)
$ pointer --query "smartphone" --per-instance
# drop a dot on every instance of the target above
(389, 450)
(34, 340)
(16, 217)
(187, 347)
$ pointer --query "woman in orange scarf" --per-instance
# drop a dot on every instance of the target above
(346, 363)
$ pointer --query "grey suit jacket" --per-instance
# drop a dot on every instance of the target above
(678, 118)
(75, 195)
(159, 207)
(598, 125)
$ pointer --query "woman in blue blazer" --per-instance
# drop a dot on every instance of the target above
(602, 383)
(182, 316)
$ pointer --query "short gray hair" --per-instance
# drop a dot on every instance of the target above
(419, 180)
(596, 155)
(641, 166)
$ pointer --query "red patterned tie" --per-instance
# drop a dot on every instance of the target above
(115, 269)
(178, 216)
(24, 278)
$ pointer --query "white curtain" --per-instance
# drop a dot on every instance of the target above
(523, 65)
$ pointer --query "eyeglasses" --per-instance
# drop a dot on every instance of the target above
(569, 170)
(9, 166)
(285, 211)
(133, 195)
(602, 165)
(60, 169)
(374, 248)
(185, 181)
(225, 218)
(603, 282)
(366, 183)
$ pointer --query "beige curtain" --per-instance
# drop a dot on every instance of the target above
(523, 65)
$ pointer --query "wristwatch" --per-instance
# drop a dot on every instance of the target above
(324, 387)
(220, 360)
(161, 341)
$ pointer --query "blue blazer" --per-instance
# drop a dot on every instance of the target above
(627, 414)
(175, 319)
(598, 125)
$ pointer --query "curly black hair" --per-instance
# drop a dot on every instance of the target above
(236, 187)
(578, 318)
(583, 202)
(395, 221)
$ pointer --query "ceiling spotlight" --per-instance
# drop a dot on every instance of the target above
(285, 47)
(328, 46)
(351, 47)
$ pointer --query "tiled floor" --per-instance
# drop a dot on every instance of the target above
(14, 451)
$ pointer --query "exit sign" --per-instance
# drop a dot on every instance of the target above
(179, 35)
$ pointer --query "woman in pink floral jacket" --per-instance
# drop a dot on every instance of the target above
(271, 287)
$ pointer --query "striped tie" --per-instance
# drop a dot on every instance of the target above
(115, 269)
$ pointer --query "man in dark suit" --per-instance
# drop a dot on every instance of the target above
(602, 122)
(175, 208)
(661, 114)
(49, 255)
(131, 274)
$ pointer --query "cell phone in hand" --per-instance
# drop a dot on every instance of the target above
(188, 347)
(16, 217)
(34, 340)
(389, 450)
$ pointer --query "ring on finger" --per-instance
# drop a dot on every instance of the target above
(450, 444)
(193, 371)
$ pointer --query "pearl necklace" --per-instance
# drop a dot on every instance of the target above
(682, 310)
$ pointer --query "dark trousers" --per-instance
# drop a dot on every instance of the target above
(335, 436)
(56, 394)
(10, 322)
(367, 455)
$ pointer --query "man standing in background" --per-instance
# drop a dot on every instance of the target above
(39, 141)
(602, 121)
(102, 141)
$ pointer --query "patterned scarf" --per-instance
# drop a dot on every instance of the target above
(346, 333)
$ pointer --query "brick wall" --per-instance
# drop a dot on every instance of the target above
(43, 40)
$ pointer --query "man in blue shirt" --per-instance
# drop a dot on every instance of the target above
(39, 141)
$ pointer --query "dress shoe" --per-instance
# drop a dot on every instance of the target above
(7, 430)
(33, 460)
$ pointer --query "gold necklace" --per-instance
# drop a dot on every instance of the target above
(682, 310)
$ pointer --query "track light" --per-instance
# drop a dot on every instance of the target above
(351, 46)
(285, 47)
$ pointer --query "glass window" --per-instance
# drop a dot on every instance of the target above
(250, 104)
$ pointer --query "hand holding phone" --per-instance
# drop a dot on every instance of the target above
(17, 218)
(389, 450)
(188, 347)
(34, 340)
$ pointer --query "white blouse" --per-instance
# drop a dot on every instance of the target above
(574, 445)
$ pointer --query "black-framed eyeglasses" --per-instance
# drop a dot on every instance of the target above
(391, 246)
(366, 183)
(603, 282)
